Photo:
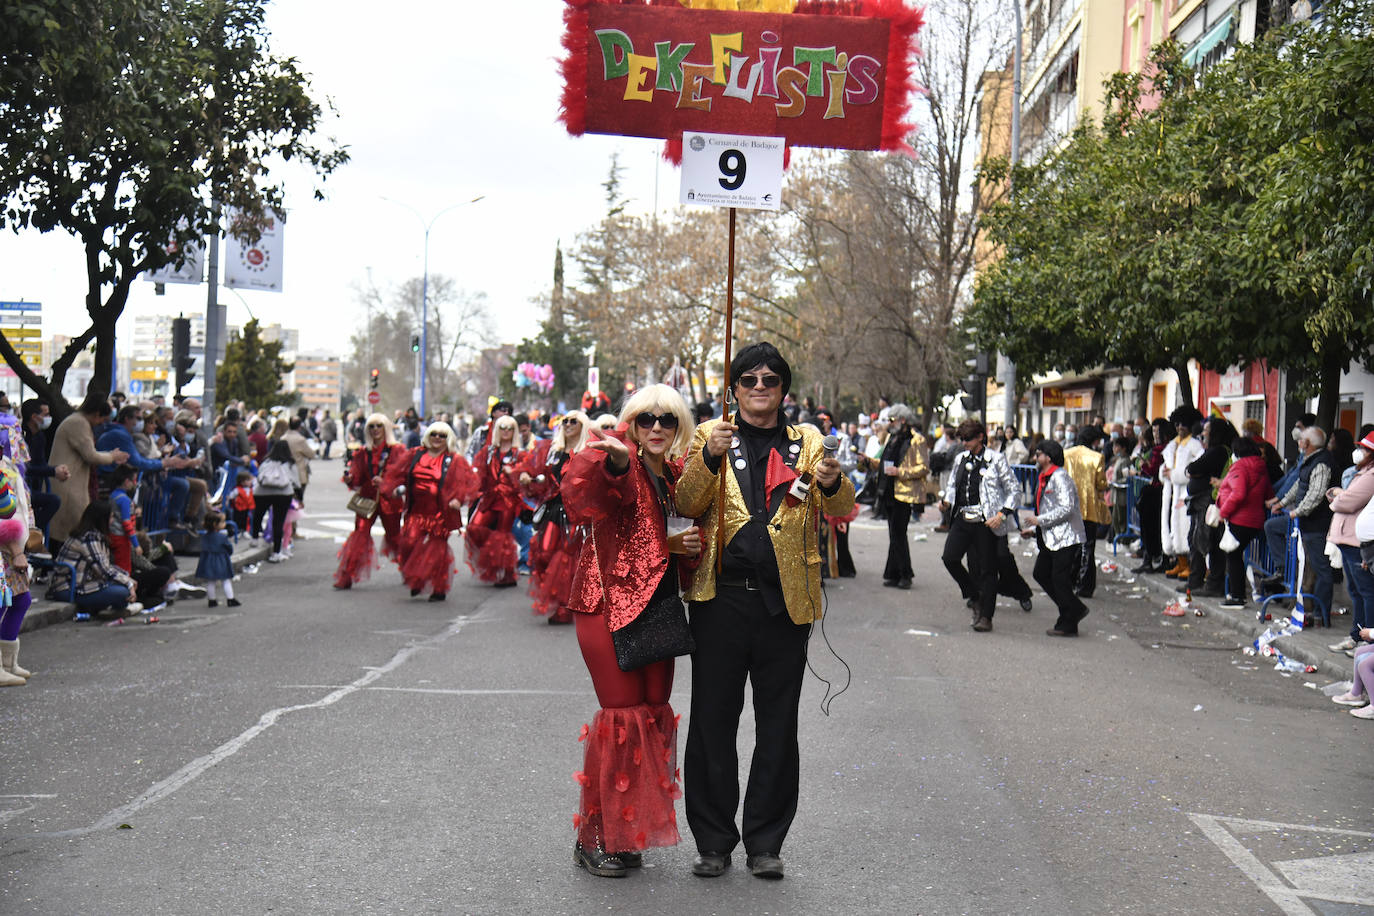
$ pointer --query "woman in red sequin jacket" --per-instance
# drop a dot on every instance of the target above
(556, 544)
(490, 546)
(432, 481)
(622, 485)
(366, 468)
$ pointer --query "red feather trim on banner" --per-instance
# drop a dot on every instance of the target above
(574, 67)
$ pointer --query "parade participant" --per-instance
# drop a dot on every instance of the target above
(624, 489)
(1060, 534)
(903, 469)
(481, 436)
(433, 482)
(751, 620)
(491, 549)
(363, 474)
(556, 544)
(981, 496)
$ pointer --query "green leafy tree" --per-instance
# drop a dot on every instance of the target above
(251, 371)
(1229, 224)
(129, 124)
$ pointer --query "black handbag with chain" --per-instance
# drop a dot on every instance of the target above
(659, 632)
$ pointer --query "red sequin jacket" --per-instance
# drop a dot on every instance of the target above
(623, 562)
(366, 463)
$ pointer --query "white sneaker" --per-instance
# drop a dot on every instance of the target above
(133, 607)
(1365, 712)
(190, 591)
(1341, 646)
(276, 558)
(1349, 699)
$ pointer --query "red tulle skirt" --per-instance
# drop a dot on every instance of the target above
(553, 563)
(629, 780)
(490, 548)
(426, 560)
(357, 557)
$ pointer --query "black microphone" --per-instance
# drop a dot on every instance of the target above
(831, 444)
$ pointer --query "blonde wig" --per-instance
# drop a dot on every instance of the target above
(605, 421)
(279, 427)
(505, 422)
(386, 425)
(659, 399)
(439, 426)
(560, 441)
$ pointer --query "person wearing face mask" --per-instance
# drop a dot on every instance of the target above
(1305, 502)
(36, 419)
(1347, 502)
(1059, 433)
(1070, 435)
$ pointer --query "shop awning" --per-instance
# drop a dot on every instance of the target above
(1215, 36)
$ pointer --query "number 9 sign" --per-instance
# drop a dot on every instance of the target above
(729, 170)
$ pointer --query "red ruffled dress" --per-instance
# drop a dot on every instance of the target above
(629, 775)
(556, 543)
(431, 481)
(491, 549)
(358, 556)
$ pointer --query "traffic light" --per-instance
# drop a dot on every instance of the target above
(182, 360)
(415, 343)
(975, 389)
(373, 381)
(978, 362)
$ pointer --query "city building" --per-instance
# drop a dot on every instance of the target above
(317, 378)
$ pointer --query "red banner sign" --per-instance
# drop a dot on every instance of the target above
(831, 75)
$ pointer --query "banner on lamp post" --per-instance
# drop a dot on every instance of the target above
(257, 265)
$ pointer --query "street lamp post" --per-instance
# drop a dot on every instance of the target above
(424, 293)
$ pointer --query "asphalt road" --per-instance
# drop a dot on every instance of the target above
(319, 752)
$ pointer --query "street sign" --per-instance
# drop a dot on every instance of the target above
(731, 170)
(21, 306)
(374, 397)
(21, 332)
(135, 386)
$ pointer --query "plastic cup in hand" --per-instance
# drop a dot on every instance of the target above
(677, 524)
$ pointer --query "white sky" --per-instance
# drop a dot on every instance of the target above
(438, 103)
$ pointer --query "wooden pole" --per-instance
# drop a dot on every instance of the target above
(725, 389)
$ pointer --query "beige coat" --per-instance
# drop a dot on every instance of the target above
(74, 446)
(302, 451)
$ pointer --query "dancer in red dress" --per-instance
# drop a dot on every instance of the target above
(433, 481)
(366, 468)
(491, 549)
(623, 488)
(556, 542)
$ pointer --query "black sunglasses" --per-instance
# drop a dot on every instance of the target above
(571, 421)
(753, 381)
(647, 420)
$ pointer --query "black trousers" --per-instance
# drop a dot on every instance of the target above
(1085, 577)
(1147, 509)
(737, 639)
(1055, 571)
(1010, 582)
(1206, 559)
(979, 581)
(898, 546)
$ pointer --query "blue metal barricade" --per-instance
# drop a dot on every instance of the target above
(1291, 585)
(1129, 491)
(1026, 475)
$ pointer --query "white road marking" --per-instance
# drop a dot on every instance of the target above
(195, 768)
(453, 692)
(1327, 878)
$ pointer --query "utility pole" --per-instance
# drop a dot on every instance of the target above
(214, 324)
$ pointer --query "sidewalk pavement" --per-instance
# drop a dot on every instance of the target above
(44, 613)
(1308, 646)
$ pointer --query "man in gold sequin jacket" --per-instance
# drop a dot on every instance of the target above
(751, 620)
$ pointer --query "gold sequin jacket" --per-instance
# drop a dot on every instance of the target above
(792, 529)
(1086, 468)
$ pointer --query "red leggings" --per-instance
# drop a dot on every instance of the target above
(650, 685)
(391, 530)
